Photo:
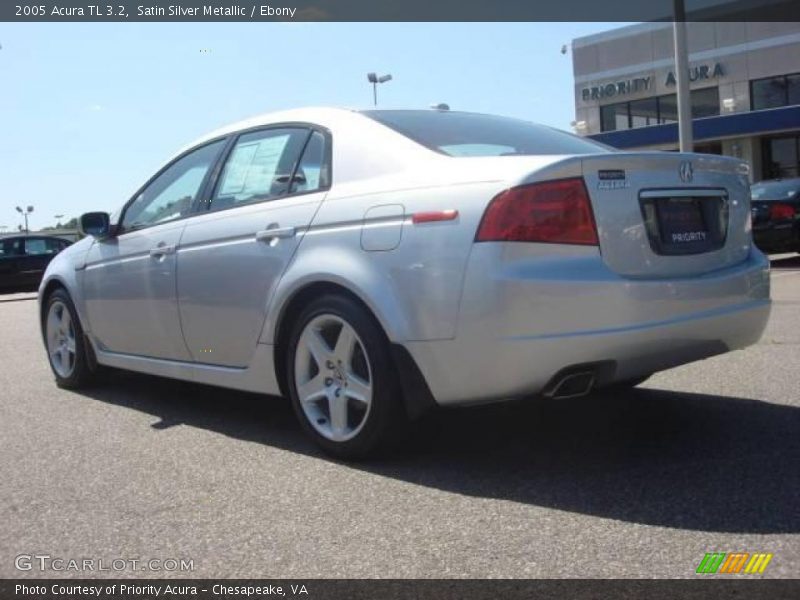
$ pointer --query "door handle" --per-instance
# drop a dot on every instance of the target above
(162, 250)
(266, 235)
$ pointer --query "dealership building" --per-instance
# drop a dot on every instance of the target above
(744, 81)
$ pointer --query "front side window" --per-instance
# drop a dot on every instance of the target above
(170, 195)
(11, 247)
(259, 167)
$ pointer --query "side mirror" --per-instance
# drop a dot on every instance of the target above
(96, 224)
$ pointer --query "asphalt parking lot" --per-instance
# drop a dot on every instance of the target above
(702, 458)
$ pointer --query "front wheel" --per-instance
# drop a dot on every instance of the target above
(341, 377)
(66, 346)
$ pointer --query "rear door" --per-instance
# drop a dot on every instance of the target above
(667, 214)
(231, 258)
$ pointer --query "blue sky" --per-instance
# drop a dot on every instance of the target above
(90, 111)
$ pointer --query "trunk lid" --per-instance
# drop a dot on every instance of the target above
(664, 214)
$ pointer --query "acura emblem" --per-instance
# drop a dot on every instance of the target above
(686, 172)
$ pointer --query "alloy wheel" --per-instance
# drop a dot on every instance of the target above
(61, 339)
(333, 377)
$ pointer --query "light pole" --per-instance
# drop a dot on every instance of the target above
(685, 142)
(375, 80)
(28, 210)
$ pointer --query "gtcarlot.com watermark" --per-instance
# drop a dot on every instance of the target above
(46, 562)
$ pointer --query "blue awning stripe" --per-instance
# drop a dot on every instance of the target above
(709, 128)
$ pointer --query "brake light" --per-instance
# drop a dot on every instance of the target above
(557, 212)
(778, 211)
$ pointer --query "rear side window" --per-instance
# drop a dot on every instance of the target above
(312, 171)
(472, 134)
(775, 190)
(259, 167)
(37, 246)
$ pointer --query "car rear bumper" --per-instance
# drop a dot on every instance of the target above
(519, 327)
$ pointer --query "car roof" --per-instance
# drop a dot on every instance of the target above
(389, 149)
(321, 115)
(24, 236)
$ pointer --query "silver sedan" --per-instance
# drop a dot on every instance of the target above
(373, 265)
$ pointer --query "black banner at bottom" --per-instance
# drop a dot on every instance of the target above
(401, 589)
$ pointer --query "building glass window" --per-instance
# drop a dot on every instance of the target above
(781, 156)
(793, 89)
(668, 109)
(774, 92)
(614, 117)
(657, 111)
(705, 103)
(644, 112)
(709, 148)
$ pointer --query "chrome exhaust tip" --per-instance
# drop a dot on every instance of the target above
(573, 385)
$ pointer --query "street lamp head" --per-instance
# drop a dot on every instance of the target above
(373, 78)
(30, 209)
(19, 210)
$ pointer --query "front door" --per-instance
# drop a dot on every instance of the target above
(231, 258)
(11, 251)
(129, 278)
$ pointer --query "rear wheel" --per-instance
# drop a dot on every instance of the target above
(66, 346)
(342, 381)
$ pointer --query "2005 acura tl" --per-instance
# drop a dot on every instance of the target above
(373, 264)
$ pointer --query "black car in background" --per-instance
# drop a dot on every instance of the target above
(23, 259)
(775, 207)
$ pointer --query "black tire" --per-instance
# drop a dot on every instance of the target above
(82, 372)
(628, 383)
(385, 417)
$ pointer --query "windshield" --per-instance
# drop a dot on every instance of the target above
(775, 190)
(472, 134)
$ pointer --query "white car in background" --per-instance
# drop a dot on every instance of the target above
(371, 265)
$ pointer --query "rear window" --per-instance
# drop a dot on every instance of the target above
(472, 134)
(774, 190)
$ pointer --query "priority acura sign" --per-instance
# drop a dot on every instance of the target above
(643, 84)
(617, 88)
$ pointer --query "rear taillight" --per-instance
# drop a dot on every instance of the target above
(778, 211)
(556, 212)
